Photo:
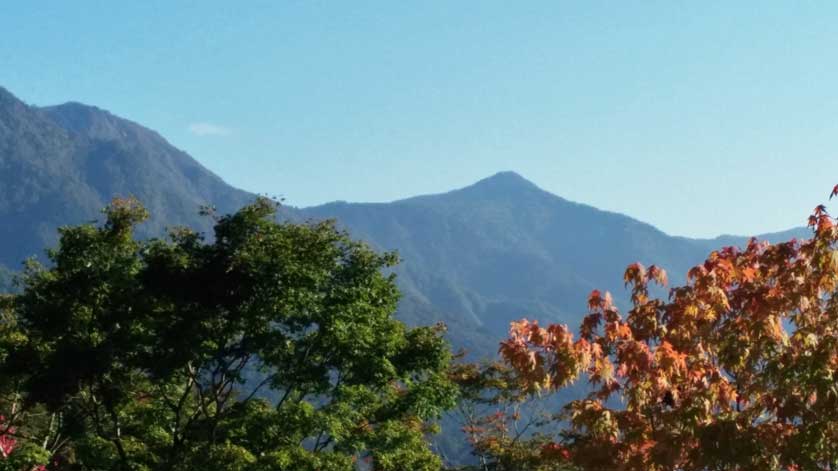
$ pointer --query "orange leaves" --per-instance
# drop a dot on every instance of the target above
(602, 308)
(589, 325)
(716, 296)
(746, 351)
(601, 369)
(635, 274)
(544, 358)
(775, 329)
(820, 210)
(820, 220)
(696, 272)
(519, 356)
(748, 274)
(671, 361)
(617, 331)
(598, 301)
(638, 277)
(595, 300)
(658, 275)
(555, 452)
(726, 394)
(634, 358)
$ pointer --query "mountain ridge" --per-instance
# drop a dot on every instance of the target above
(60, 165)
(59, 115)
(474, 257)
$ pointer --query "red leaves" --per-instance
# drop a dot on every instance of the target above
(715, 358)
(555, 451)
(834, 191)
(748, 274)
(602, 308)
(8, 442)
(820, 220)
(617, 330)
(657, 274)
(671, 361)
(598, 301)
(635, 274)
(696, 272)
(589, 325)
(636, 356)
(544, 358)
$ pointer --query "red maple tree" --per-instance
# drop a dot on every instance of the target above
(736, 370)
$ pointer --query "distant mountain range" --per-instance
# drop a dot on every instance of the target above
(475, 258)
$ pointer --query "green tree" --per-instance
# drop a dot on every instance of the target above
(6, 280)
(26, 438)
(273, 347)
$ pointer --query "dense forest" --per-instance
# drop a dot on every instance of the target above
(274, 346)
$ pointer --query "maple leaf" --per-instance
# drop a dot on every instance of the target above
(594, 299)
(748, 274)
(820, 210)
(8, 443)
(657, 274)
(634, 274)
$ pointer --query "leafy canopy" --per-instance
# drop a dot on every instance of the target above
(735, 371)
(273, 347)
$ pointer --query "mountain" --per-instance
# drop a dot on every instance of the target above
(773, 237)
(62, 164)
(474, 258)
(503, 249)
(482, 256)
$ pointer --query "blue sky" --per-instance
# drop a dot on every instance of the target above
(698, 117)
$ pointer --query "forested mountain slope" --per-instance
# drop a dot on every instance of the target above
(503, 249)
(61, 165)
(474, 258)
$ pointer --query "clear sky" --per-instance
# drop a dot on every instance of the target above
(698, 117)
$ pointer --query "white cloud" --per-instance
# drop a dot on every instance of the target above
(209, 129)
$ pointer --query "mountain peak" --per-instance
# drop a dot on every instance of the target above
(78, 108)
(90, 121)
(9, 101)
(6, 95)
(506, 181)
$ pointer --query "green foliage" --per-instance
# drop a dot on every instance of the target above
(273, 347)
(25, 457)
(6, 280)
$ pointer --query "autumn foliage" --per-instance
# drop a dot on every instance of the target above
(8, 448)
(736, 370)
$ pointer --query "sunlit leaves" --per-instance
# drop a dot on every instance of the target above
(273, 346)
(736, 370)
